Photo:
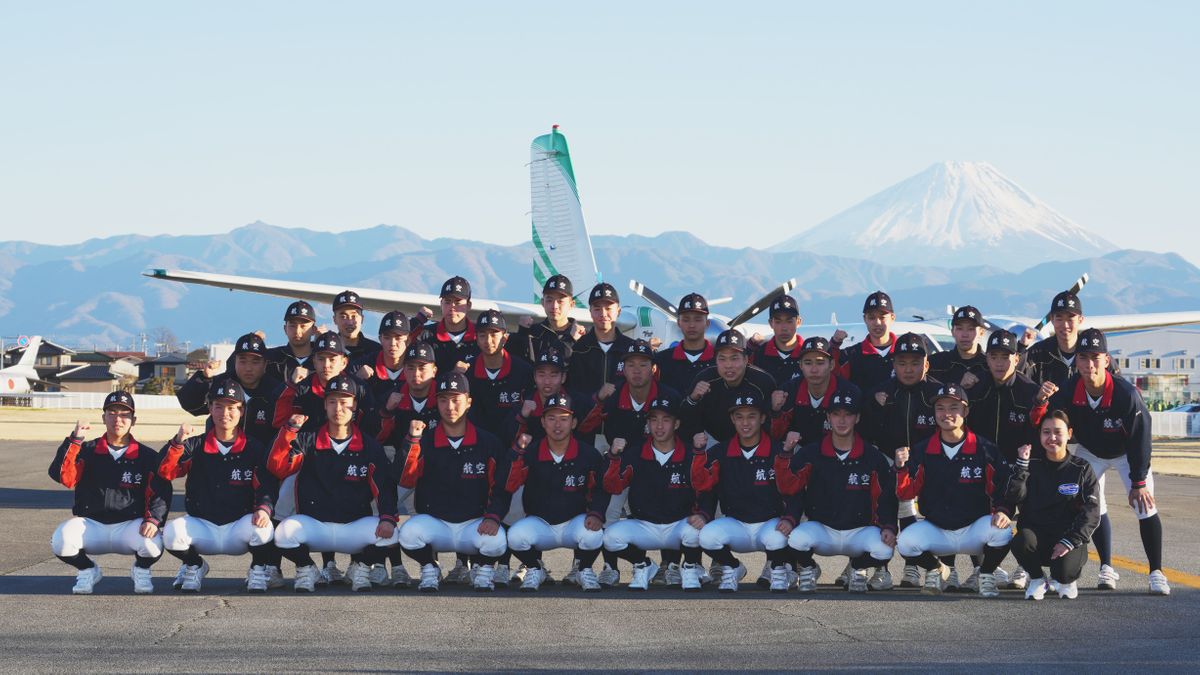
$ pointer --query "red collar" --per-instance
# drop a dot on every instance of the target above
(406, 398)
(505, 366)
(681, 355)
(772, 350)
(210, 443)
(804, 396)
(648, 450)
(763, 449)
(325, 443)
(1081, 398)
(131, 450)
(625, 401)
(828, 450)
(443, 335)
(441, 440)
(381, 370)
(869, 349)
(968, 446)
(315, 385)
(544, 450)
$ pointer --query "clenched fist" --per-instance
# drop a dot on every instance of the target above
(1023, 452)
(791, 440)
(528, 407)
(700, 441)
(1048, 389)
(606, 391)
(618, 445)
(778, 398)
(185, 430)
(297, 421)
(416, 428)
(299, 374)
(698, 392)
(901, 457)
(524, 440)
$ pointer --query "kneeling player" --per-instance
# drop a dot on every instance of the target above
(453, 471)
(847, 488)
(229, 494)
(119, 501)
(958, 478)
(340, 474)
(740, 476)
(661, 500)
(563, 497)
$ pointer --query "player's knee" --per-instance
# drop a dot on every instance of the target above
(909, 543)
(175, 535)
(616, 538)
(289, 534)
(67, 539)
(773, 540)
(521, 535)
(414, 533)
(999, 536)
(590, 540)
(689, 537)
(713, 536)
(493, 545)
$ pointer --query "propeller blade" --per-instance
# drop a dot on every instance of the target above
(762, 303)
(656, 301)
(1079, 284)
(720, 301)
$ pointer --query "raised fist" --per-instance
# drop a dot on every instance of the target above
(881, 397)
(416, 428)
(606, 391)
(462, 367)
(1048, 389)
(365, 372)
(901, 457)
(213, 368)
(700, 441)
(791, 440)
(299, 374)
(1023, 452)
(577, 332)
(525, 322)
(757, 339)
(839, 335)
(185, 430)
(528, 407)
(968, 380)
(1028, 336)
(618, 445)
(80, 427)
(297, 421)
(702, 387)
(778, 398)
(393, 400)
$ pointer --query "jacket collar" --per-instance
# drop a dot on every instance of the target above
(804, 396)
(763, 449)
(325, 443)
(210, 442)
(131, 450)
(772, 350)
(480, 371)
(970, 443)
(441, 440)
(680, 355)
(1080, 398)
(828, 450)
(544, 450)
(625, 400)
(676, 456)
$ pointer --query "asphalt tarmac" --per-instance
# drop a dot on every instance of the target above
(45, 628)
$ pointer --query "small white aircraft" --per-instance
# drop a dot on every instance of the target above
(15, 379)
(562, 246)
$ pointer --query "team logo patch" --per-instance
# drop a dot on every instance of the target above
(1068, 489)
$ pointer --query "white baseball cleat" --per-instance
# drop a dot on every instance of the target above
(642, 574)
(911, 578)
(572, 576)
(378, 574)
(178, 582)
(275, 577)
(950, 583)
(714, 574)
(1018, 579)
(1068, 591)
(588, 580)
(501, 575)
(330, 574)
(857, 582)
(690, 577)
(400, 577)
(257, 579)
(1002, 578)
(534, 576)
(672, 576)
(730, 577)
(143, 581)
(431, 576)
(307, 578)
(972, 582)
(609, 577)
(808, 580)
(987, 585)
(484, 581)
(86, 580)
(193, 576)
(1107, 579)
(844, 577)
(1036, 590)
(881, 580)
(1158, 583)
(764, 577)
(518, 577)
(935, 580)
(781, 579)
(459, 574)
(359, 575)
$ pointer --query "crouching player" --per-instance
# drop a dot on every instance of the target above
(959, 479)
(120, 502)
(740, 477)
(563, 499)
(847, 488)
(229, 494)
(453, 470)
(341, 474)
(661, 500)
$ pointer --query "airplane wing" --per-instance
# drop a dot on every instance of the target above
(1126, 322)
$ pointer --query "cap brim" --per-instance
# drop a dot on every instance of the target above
(960, 399)
(557, 407)
(119, 405)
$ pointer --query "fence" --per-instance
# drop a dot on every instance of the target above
(86, 401)
(1175, 424)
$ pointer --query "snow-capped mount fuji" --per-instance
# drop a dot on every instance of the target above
(953, 214)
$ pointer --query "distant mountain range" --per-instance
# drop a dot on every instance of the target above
(93, 293)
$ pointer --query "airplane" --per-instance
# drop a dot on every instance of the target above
(15, 379)
(562, 246)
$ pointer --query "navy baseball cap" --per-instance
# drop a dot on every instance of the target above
(816, 344)
(119, 398)
(1066, 302)
(1091, 341)
(347, 298)
(968, 313)
(250, 343)
(638, 348)
(551, 357)
(878, 301)
(456, 287)
(299, 311)
(559, 401)
(667, 403)
(453, 382)
(1002, 340)
(784, 304)
(693, 302)
(330, 341)
(343, 385)
(227, 389)
(603, 292)
(730, 339)
(420, 351)
(491, 320)
(558, 283)
(393, 322)
(747, 398)
(845, 398)
(954, 391)
(910, 343)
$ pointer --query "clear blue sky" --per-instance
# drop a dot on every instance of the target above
(761, 120)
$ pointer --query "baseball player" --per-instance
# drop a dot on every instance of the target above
(453, 471)
(498, 381)
(1053, 359)
(959, 479)
(564, 499)
(739, 476)
(229, 494)
(261, 390)
(847, 488)
(712, 390)
(549, 378)
(800, 409)
(383, 369)
(655, 474)
(596, 362)
(780, 355)
(1058, 498)
(679, 364)
(348, 315)
(342, 476)
(558, 330)
(120, 501)
(299, 327)
(966, 363)
(1112, 429)
(453, 337)
(869, 363)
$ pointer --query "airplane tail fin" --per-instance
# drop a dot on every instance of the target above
(560, 237)
(29, 358)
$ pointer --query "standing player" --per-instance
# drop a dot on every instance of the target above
(848, 490)
(342, 476)
(712, 391)
(453, 338)
(965, 364)
(959, 479)
(348, 315)
(1112, 429)
(558, 330)
(780, 356)
(1053, 359)
(739, 476)
(498, 381)
(564, 497)
(679, 364)
(801, 412)
(869, 363)
(299, 324)
(596, 360)
(549, 379)
(261, 391)
(229, 494)
(453, 471)
(120, 502)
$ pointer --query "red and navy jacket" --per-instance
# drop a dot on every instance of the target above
(711, 413)
(619, 418)
(904, 419)
(532, 425)
(307, 397)
(446, 351)
(744, 488)
(558, 491)
(658, 493)
(282, 362)
(1059, 499)
(1120, 424)
(842, 494)
(864, 365)
(1004, 414)
(455, 484)
(380, 383)
(675, 369)
(111, 490)
(799, 415)
(1045, 361)
(258, 411)
(954, 493)
(527, 343)
(333, 487)
(950, 366)
(493, 400)
(780, 365)
(221, 488)
(393, 428)
(591, 367)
